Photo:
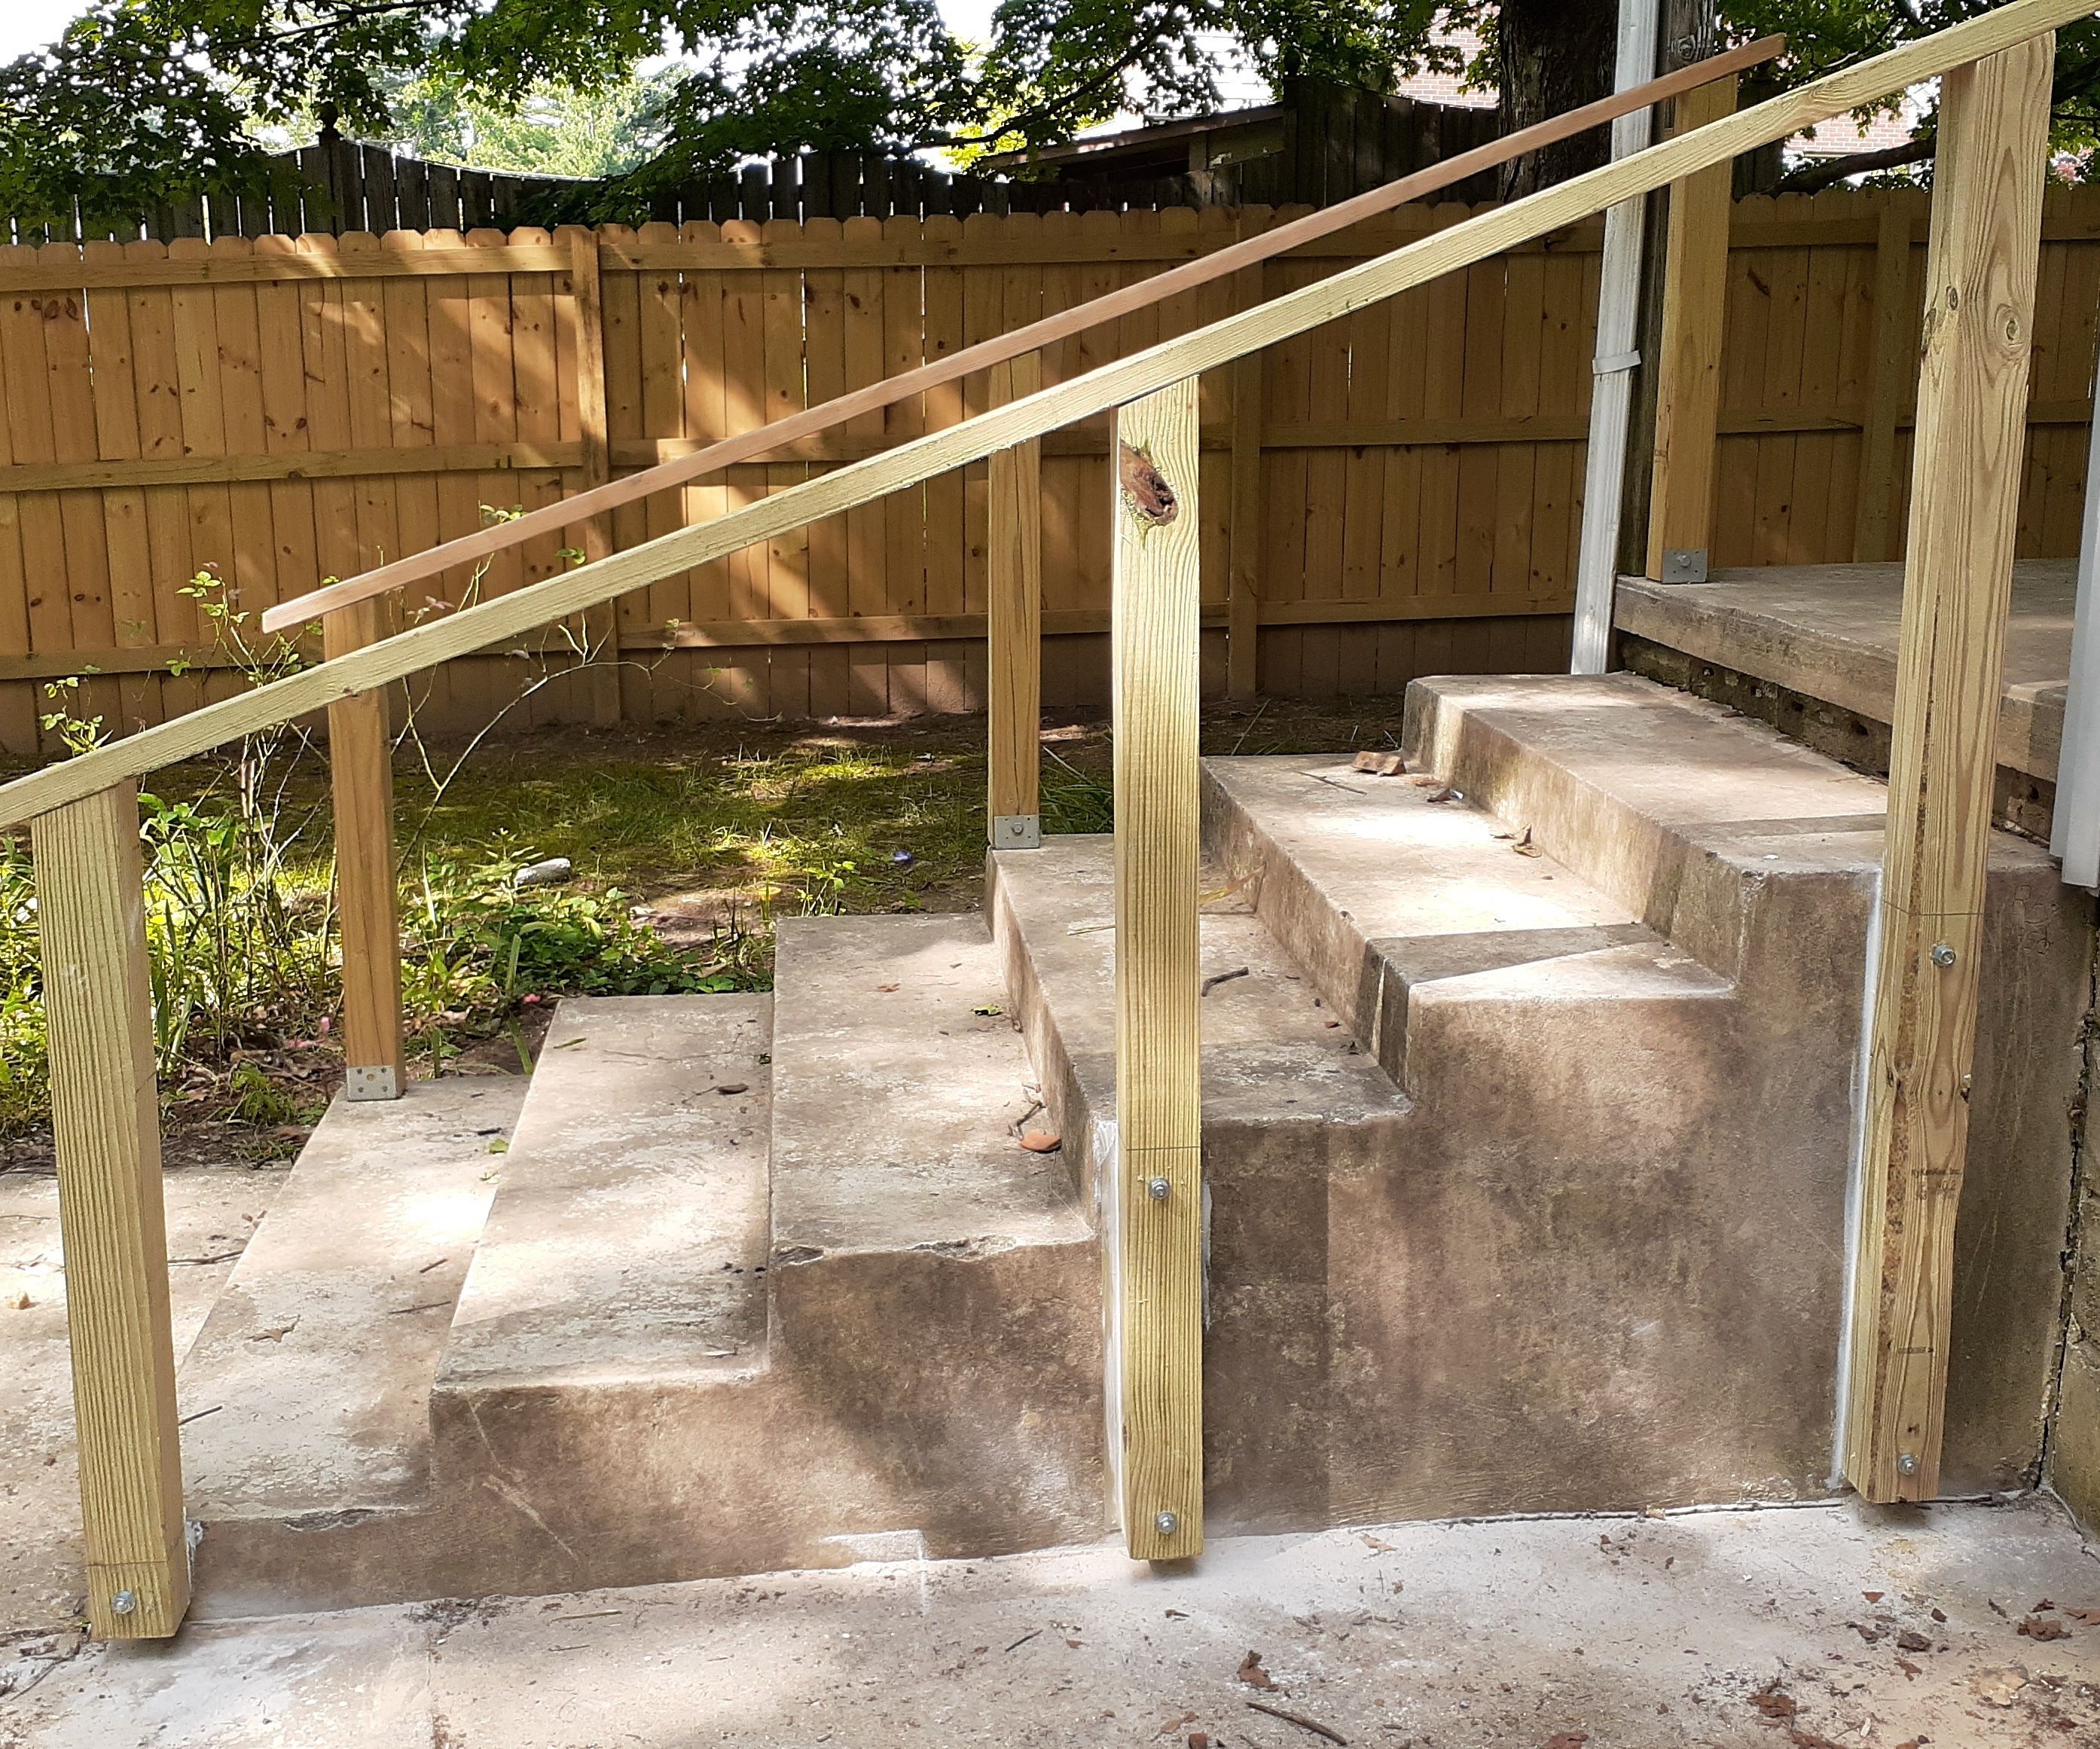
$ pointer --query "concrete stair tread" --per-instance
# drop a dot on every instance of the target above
(1679, 760)
(1272, 1046)
(628, 1238)
(901, 1089)
(308, 1390)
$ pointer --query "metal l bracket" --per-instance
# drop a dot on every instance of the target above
(1684, 564)
(371, 1084)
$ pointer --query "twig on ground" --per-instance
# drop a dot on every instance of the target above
(1302, 1722)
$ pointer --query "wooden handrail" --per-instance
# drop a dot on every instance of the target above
(748, 446)
(492, 623)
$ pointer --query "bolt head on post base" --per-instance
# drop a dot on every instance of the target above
(361, 1083)
(1017, 831)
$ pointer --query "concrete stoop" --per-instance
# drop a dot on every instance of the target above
(768, 1283)
(1528, 1117)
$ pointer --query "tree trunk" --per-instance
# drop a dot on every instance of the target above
(1553, 55)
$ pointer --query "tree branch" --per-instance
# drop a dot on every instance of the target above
(1811, 177)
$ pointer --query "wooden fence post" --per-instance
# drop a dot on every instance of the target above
(1965, 469)
(1873, 527)
(1694, 295)
(1014, 627)
(361, 772)
(600, 627)
(1157, 1290)
(1244, 603)
(106, 1119)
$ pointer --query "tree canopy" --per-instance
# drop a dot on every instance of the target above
(145, 101)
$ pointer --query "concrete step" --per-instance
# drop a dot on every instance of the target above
(1292, 1108)
(305, 1398)
(903, 1089)
(643, 1380)
(628, 1238)
(1380, 889)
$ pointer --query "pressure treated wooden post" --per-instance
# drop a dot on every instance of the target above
(1965, 502)
(361, 770)
(106, 1121)
(1013, 630)
(1158, 1294)
(1689, 379)
(600, 626)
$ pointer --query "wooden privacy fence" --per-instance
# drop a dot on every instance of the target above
(1397, 493)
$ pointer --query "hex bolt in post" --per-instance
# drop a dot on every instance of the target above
(1907, 1464)
(1942, 955)
(1158, 1190)
(1167, 1524)
(124, 1602)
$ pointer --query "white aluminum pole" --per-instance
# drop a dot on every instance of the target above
(2074, 836)
(1618, 323)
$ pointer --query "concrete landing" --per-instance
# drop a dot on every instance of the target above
(308, 1390)
(901, 1090)
(629, 1234)
(1829, 633)
(1733, 1630)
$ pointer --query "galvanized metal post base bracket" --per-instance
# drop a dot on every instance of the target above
(1684, 564)
(1017, 831)
(371, 1084)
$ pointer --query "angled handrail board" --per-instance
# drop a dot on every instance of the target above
(764, 439)
(1110, 385)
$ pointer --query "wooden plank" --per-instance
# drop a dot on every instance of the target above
(361, 776)
(909, 239)
(1874, 533)
(599, 627)
(106, 1122)
(1111, 385)
(1689, 379)
(1242, 638)
(200, 268)
(1014, 626)
(1156, 1260)
(1965, 470)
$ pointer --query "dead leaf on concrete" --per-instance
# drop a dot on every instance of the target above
(1873, 1596)
(1523, 846)
(1910, 1640)
(1805, 1739)
(2091, 1618)
(1997, 1687)
(1172, 1727)
(278, 1335)
(886, 989)
(1567, 1740)
(21, 1302)
(1042, 1142)
(2036, 1628)
(1774, 1702)
(1377, 1547)
(1447, 794)
(1913, 1672)
(1365, 762)
(1251, 1673)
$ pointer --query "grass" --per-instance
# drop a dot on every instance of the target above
(686, 845)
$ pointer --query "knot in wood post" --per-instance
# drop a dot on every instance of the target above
(1144, 488)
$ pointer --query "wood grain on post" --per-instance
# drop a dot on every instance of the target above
(361, 772)
(599, 625)
(1873, 528)
(1980, 273)
(1157, 585)
(1689, 379)
(1014, 628)
(106, 1121)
